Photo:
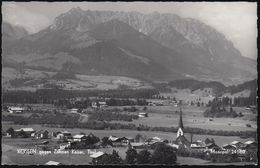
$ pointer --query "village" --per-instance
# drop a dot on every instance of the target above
(45, 142)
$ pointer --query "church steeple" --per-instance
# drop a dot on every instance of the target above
(180, 121)
(180, 129)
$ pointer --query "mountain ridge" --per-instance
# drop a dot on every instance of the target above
(184, 47)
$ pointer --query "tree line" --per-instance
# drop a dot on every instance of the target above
(50, 96)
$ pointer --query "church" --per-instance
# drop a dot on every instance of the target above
(181, 139)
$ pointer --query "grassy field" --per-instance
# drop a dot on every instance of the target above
(82, 82)
(168, 116)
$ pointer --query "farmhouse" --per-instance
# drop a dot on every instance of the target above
(250, 145)
(141, 115)
(41, 134)
(27, 131)
(97, 157)
(212, 146)
(153, 140)
(198, 145)
(15, 110)
(99, 104)
(74, 110)
(228, 147)
(79, 138)
(237, 144)
(64, 135)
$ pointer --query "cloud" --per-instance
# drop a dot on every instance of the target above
(17, 15)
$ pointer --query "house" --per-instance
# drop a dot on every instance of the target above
(125, 141)
(137, 145)
(28, 131)
(74, 110)
(64, 135)
(41, 134)
(116, 141)
(198, 145)
(250, 145)
(113, 138)
(99, 104)
(212, 146)
(237, 144)
(53, 163)
(229, 147)
(97, 156)
(153, 140)
(15, 110)
(79, 138)
(141, 115)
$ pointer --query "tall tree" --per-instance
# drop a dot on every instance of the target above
(143, 157)
(131, 156)
(164, 154)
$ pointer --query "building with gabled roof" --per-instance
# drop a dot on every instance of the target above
(79, 137)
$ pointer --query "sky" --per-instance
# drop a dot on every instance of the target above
(236, 20)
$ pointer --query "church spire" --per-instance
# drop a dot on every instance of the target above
(180, 121)
(180, 129)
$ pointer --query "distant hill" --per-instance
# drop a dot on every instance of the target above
(217, 87)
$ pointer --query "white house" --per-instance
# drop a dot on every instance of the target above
(99, 104)
(79, 138)
(74, 110)
(141, 115)
(15, 110)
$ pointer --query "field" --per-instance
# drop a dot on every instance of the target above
(37, 78)
(166, 116)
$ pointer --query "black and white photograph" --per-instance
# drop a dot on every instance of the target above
(129, 83)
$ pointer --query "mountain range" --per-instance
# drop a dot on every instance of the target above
(152, 46)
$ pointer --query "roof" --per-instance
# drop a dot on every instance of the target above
(113, 138)
(97, 154)
(183, 140)
(25, 129)
(156, 138)
(16, 108)
(41, 131)
(137, 143)
(249, 142)
(180, 121)
(79, 136)
(228, 145)
(174, 145)
(102, 103)
(235, 142)
(53, 163)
